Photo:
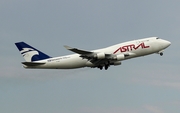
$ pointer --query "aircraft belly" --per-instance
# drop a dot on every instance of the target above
(67, 64)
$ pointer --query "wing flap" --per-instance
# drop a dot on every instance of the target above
(33, 63)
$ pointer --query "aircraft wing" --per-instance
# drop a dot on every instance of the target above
(78, 50)
(85, 54)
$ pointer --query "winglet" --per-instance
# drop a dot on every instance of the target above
(67, 47)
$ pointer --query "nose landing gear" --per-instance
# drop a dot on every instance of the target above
(161, 53)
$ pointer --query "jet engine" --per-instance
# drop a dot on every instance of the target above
(119, 57)
(100, 55)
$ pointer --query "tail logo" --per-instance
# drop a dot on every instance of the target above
(28, 53)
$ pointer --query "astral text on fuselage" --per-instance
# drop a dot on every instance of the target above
(131, 47)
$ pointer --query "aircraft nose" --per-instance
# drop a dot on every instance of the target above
(163, 44)
(168, 43)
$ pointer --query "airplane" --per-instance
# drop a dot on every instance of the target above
(100, 58)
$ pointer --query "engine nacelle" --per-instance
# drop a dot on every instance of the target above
(116, 63)
(100, 55)
(119, 57)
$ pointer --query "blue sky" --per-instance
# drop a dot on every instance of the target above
(144, 85)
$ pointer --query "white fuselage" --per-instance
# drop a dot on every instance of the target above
(134, 49)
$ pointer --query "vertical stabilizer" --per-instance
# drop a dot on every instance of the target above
(29, 53)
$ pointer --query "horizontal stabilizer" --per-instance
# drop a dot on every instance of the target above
(33, 63)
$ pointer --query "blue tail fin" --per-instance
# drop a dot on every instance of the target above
(29, 53)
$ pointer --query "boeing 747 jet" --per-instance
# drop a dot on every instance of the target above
(100, 58)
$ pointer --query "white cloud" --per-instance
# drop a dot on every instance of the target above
(157, 82)
(153, 109)
(141, 109)
(110, 110)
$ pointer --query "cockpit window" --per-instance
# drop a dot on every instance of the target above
(157, 38)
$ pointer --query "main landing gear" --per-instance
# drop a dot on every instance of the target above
(100, 67)
(105, 67)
